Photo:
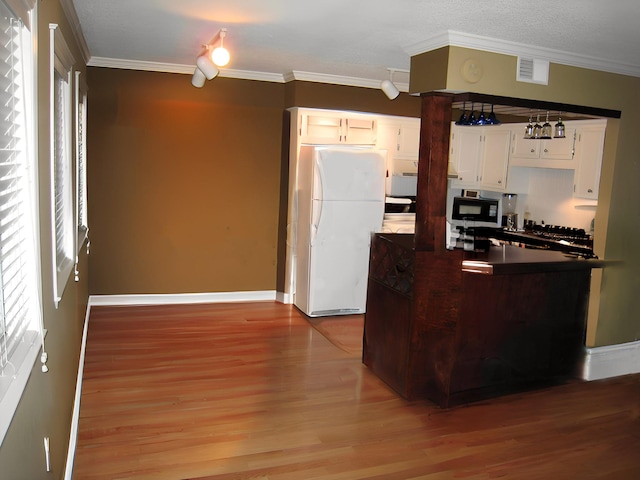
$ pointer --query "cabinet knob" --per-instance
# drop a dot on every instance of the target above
(499, 182)
(533, 150)
(546, 150)
(590, 190)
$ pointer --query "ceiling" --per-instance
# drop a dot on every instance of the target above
(353, 41)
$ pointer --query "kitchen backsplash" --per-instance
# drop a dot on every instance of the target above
(547, 195)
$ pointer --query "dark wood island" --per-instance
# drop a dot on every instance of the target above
(457, 327)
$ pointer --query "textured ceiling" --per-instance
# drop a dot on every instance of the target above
(352, 38)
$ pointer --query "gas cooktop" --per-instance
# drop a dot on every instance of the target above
(573, 241)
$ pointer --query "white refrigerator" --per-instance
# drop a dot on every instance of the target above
(340, 203)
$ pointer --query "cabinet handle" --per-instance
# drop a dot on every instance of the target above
(546, 150)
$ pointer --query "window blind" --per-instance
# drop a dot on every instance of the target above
(20, 315)
(81, 161)
(62, 213)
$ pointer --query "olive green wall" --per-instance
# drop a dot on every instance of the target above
(47, 402)
(617, 216)
(185, 184)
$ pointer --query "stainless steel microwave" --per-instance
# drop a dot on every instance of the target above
(475, 209)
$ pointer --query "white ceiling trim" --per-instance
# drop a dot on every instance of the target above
(178, 68)
(341, 80)
(477, 42)
(242, 74)
(72, 17)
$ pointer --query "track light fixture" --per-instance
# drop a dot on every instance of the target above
(388, 87)
(208, 62)
(220, 55)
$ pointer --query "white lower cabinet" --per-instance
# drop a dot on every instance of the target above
(479, 156)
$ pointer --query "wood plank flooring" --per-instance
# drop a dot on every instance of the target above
(253, 391)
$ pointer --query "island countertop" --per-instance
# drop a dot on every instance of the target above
(508, 259)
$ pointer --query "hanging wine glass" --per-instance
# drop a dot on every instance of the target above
(482, 120)
(537, 128)
(463, 118)
(528, 131)
(472, 117)
(546, 129)
(492, 119)
(559, 130)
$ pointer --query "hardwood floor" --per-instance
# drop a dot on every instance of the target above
(253, 391)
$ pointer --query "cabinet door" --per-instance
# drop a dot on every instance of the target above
(359, 131)
(558, 148)
(523, 147)
(387, 139)
(589, 148)
(409, 141)
(495, 157)
(322, 129)
(464, 155)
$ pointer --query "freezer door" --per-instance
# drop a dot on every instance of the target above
(349, 174)
(339, 256)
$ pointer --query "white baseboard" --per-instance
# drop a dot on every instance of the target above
(611, 361)
(285, 298)
(183, 298)
(75, 416)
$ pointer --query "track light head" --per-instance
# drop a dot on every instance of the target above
(198, 78)
(389, 89)
(206, 66)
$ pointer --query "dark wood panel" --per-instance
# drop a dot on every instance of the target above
(433, 166)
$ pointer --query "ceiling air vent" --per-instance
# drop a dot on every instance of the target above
(532, 70)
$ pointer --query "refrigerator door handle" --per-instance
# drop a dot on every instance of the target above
(315, 221)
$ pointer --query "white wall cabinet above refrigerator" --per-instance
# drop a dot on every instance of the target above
(335, 128)
(479, 157)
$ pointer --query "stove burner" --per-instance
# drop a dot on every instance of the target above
(572, 235)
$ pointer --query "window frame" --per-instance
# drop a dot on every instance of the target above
(81, 213)
(30, 337)
(63, 242)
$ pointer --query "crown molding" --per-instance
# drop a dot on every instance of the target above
(243, 74)
(477, 42)
(180, 68)
(341, 80)
(72, 17)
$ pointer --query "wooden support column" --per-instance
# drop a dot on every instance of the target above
(433, 166)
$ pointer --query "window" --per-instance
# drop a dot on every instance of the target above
(63, 225)
(20, 312)
(82, 222)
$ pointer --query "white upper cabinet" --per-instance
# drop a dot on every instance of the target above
(553, 153)
(333, 128)
(589, 150)
(495, 157)
(464, 155)
(479, 156)
(400, 138)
